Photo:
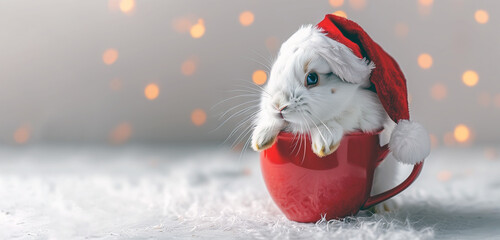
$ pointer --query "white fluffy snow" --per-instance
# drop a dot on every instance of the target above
(209, 192)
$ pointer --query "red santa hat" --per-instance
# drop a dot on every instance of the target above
(410, 141)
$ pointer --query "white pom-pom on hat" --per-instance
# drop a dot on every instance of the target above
(410, 142)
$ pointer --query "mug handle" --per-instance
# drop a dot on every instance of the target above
(374, 200)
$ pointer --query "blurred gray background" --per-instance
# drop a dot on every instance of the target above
(81, 71)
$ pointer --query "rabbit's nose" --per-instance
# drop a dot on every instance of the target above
(279, 100)
(281, 111)
(277, 105)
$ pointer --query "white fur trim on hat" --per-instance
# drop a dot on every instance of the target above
(410, 142)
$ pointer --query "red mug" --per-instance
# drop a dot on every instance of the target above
(306, 187)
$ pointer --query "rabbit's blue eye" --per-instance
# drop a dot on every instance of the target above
(312, 79)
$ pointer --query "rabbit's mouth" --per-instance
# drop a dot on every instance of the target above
(281, 112)
(291, 118)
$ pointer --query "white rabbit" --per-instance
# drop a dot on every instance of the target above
(318, 86)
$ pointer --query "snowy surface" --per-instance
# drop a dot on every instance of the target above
(213, 193)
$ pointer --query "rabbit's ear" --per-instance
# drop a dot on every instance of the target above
(346, 65)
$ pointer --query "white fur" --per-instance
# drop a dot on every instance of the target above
(318, 111)
(410, 142)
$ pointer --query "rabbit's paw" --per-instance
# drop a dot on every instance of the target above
(324, 141)
(387, 206)
(263, 138)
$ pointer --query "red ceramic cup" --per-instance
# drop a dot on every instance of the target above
(306, 187)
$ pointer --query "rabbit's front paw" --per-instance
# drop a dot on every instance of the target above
(390, 205)
(263, 138)
(324, 141)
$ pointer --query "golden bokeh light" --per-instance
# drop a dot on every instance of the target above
(484, 99)
(182, 24)
(439, 91)
(22, 134)
(469, 172)
(490, 153)
(127, 6)
(401, 30)
(340, 13)
(444, 175)
(357, 4)
(425, 7)
(198, 30)
(151, 91)
(449, 139)
(198, 117)
(247, 171)
(434, 140)
(115, 84)
(425, 3)
(272, 43)
(246, 18)
(259, 77)
(238, 147)
(110, 56)
(470, 78)
(188, 67)
(423, 10)
(461, 133)
(496, 101)
(121, 133)
(114, 5)
(425, 60)
(481, 16)
(336, 3)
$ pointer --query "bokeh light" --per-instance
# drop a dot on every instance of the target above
(336, 3)
(461, 133)
(259, 77)
(110, 56)
(481, 16)
(444, 175)
(470, 78)
(496, 101)
(272, 43)
(238, 147)
(151, 91)
(127, 6)
(121, 133)
(246, 18)
(426, 3)
(425, 60)
(114, 5)
(198, 30)
(490, 153)
(425, 7)
(484, 99)
(182, 24)
(198, 117)
(439, 91)
(434, 140)
(449, 139)
(22, 134)
(188, 67)
(340, 13)
(401, 30)
(115, 84)
(357, 4)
